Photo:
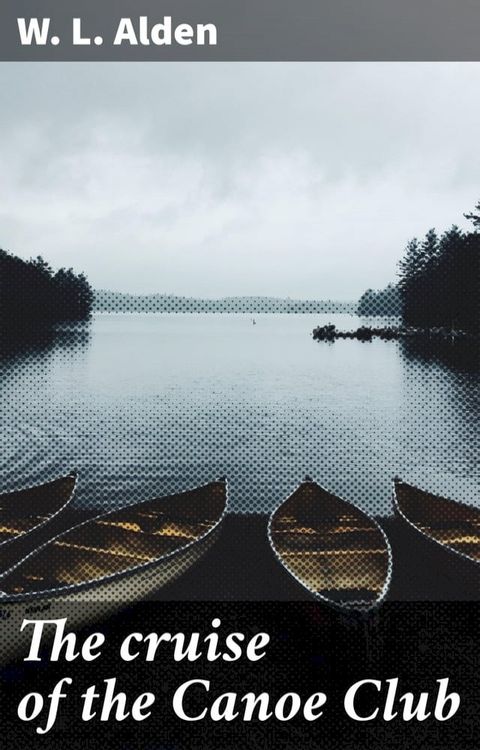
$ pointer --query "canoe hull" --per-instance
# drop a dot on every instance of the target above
(96, 602)
(26, 516)
(334, 550)
(444, 536)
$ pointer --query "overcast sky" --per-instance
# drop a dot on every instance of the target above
(204, 179)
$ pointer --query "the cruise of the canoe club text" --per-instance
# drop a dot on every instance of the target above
(366, 700)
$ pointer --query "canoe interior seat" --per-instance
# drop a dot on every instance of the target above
(452, 524)
(119, 542)
(12, 527)
(330, 546)
(23, 510)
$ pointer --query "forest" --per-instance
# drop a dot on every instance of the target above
(381, 302)
(439, 282)
(35, 297)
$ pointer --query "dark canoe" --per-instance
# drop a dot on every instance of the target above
(123, 543)
(335, 550)
(453, 525)
(25, 511)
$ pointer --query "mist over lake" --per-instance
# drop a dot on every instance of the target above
(144, 405)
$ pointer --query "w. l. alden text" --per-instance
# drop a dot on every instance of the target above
(140, 31)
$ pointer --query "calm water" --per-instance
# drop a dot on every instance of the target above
(148, 404)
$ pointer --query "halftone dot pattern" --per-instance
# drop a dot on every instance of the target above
(332, 548)
(147, 405)
(312, 649)
(27, 510)
(112, 560)
(121, 542)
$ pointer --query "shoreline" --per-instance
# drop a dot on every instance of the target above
(394, 333)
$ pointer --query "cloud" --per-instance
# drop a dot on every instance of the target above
(284, 179)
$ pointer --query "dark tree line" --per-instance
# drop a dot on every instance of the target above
(440, 279)
(381, 302)
(439, 282)
(33, 296)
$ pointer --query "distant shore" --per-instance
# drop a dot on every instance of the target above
(108, 301)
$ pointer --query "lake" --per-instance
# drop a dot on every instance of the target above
(145, 405)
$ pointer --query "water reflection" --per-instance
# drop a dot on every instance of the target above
(38, 343)
(463, 356)
(441, 417)
(152, 404)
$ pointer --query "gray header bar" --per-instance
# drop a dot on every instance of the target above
(245, 30)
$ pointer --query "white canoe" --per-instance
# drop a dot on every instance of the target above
(110, 561)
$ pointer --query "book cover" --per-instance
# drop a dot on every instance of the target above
(239, 374)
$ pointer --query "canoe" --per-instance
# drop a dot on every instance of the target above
(108, 562)
(25, 511)
(336, 551)
(453, 525)
(119, 545)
